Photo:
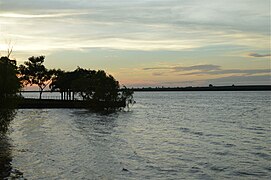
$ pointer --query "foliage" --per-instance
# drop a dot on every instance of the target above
(83, 83)
(89, 84)
(105, 87)
(127, 96)
(33, 72)
(9, 82)
(63, 80)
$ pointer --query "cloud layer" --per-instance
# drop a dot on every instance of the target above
(205, 69)
(259, 55)
(142, 25)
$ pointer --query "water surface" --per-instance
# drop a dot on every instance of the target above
(166, 135)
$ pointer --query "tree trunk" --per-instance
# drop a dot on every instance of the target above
(40, 93)
(73, 95)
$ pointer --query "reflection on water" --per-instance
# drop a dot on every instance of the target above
(187, 135)
(6, 170)
(6, 116)
(5, 157)
(5, 152)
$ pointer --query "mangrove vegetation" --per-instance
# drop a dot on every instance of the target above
(93, 87)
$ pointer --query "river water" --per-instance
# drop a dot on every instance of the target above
(166, 135)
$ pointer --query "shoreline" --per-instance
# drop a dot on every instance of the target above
(209, 88)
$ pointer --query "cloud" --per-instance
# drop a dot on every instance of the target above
(146, 25)
(158, 74)
(259, 55)
(204, 67)
(246, 80)
(229, 71)
(55, 15)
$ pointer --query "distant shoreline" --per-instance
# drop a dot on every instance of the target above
(208, 88)
(190, 88)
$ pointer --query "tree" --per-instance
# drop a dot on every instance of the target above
(83, 83)
(127, 96)
(9, 82)
(89, 84)
(106, 87)
(93, 86)
(63, 82)
(33, 72)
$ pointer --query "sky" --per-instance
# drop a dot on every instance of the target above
(147, 43)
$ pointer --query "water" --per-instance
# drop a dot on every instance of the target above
(166, 135)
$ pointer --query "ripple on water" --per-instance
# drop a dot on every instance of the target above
(176, 135)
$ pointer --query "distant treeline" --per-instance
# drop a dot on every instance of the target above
(209, 88)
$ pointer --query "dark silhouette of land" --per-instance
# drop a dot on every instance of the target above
(190, 88)
(207, 88)
(97, 89)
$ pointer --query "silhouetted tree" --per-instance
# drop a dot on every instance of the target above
(83, 83)
(9, 82)
(127, 95)
(33, 72)
(89, 84)
(63, 82)
(105, 87)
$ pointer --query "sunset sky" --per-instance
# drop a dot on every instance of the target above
(145, 42)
